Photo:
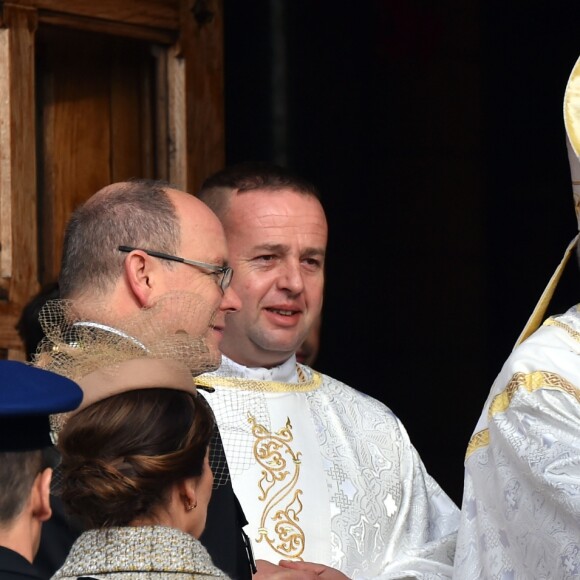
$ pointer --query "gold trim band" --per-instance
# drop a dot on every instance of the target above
(573, 333)
(244, 384)
(530, 382)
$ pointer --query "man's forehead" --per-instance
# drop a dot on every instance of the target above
(290, 209)
(280, 248)
(271, 195)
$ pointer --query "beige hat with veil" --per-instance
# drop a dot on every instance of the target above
(165, 346)
(572, 125)
(151, 349)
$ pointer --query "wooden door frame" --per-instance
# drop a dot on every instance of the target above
(192, 31)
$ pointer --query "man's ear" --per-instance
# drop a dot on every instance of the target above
(138, 271)
(41, 495)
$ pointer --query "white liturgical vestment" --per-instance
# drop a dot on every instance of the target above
(327, 474)
(521, 500)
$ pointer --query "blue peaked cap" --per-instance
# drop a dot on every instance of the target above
(28, 396)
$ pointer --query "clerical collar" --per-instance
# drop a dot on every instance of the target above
(284, 373)
(287, 377)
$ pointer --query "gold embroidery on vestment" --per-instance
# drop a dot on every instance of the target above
(530, 382)
(480, 439)
(262, 386)
(573, 333)
(278, 489)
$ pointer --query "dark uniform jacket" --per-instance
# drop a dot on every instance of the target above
(13, 566)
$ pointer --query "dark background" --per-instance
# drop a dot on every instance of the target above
(435, 133)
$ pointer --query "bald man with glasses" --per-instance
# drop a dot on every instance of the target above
(120, 262)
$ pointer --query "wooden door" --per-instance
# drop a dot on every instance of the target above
(92, 93)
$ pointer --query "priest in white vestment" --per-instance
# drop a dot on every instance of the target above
(520, 516)
(325, 474)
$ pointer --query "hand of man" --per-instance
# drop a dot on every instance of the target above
(269, 571)
(322, 571)
(290, 570)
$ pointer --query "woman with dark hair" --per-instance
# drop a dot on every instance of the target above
(135, 470)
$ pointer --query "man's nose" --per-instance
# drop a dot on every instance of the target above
(230, 300)
(290, 277)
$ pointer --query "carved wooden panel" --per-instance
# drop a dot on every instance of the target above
(18, 209)
(94, 128)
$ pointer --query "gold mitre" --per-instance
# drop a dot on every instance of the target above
(572, 125)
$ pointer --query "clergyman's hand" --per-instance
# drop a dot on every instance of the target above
(269, 571)
(322, 571)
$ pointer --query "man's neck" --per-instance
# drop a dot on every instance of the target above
(21, 536)
(258, 359)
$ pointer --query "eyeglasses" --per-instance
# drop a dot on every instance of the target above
(224, 273)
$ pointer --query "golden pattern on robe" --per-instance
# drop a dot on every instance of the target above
(278, 489)
(553, 322)
(528, 381)
(304, 384)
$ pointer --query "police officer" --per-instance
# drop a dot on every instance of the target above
(28, 395)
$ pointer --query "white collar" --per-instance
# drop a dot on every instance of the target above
(284, 373)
